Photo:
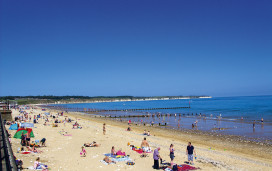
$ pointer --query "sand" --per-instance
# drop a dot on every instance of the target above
(214, 152)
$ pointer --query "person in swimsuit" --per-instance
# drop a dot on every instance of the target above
(108, 160)
(172, 156)
(113, 152)
(93, 144)
(145, 147)
(83, 151)
(28, 138)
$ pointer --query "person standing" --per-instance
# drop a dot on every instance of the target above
(28, 138)
(156, 157)
(172, 156)
(104, 128)
(145, 147)
(190, 152)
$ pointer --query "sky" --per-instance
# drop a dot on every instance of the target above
(136, 47)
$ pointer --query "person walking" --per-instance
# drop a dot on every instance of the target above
(190, 151)
(172, 156)
(104, 128)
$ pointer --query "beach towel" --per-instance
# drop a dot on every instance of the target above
(32, 168)
(185, 167)
(140, 151)
(110, 155)
(13, 127)
(27, 125)
(118, 158)
(105, 163)
(121, 159)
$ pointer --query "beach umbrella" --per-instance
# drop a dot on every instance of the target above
(19, 132)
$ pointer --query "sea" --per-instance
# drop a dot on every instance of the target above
(224, 115)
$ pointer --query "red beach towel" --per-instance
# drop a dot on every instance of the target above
(186, 167)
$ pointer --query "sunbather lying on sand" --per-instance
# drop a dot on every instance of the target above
(34, 149)
(93, 144)
(108, 160)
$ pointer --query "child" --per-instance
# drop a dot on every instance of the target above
(83, 152)
(38, 165)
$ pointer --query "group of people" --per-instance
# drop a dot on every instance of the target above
(25, 140)
(190, 152)
(147, 133)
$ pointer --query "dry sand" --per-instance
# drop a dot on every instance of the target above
(63, 152)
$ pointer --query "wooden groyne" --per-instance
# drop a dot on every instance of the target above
(111, 110)
(123, 110)
(148, 115)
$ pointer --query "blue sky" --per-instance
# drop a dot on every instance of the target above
(136, 47)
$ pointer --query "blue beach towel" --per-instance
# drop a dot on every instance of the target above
(13, 127)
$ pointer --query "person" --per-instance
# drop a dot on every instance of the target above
(172, 156)
(113, 152)
(34, 144)
(144, 132)
(83, 151)
(129, 129)
(190, 152)
(38, 165)
(108, 160)
(144, 146)
(43, 141)
(23, 139)
(148, 133)
(104, 128)
(34, 150)
(262, 120)
(254, 122)
(28, 138)
(93, 144)
(156, 157)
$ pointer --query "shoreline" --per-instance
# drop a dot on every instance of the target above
(232, 130)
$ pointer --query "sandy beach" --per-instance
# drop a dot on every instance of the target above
(63, 152)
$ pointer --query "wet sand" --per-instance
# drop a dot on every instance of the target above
(214, 152)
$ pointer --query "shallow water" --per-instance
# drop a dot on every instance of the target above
(230, 108)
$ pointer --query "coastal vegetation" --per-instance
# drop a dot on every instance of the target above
(22, 100)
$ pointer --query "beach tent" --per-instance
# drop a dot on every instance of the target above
(13, 127)
(47, 113)
(27, 125)
(19, 132)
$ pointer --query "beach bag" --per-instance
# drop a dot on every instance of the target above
(130, 163)
(175, 168)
